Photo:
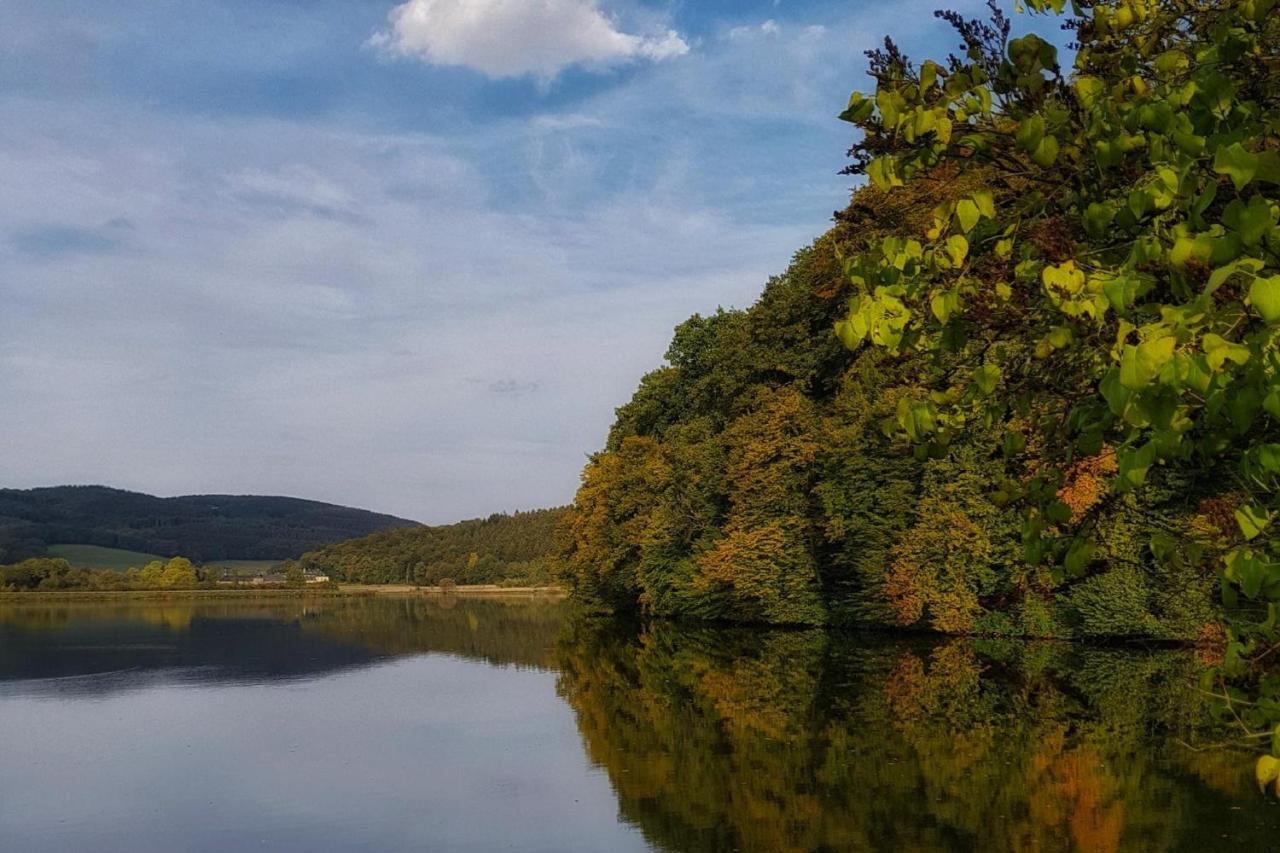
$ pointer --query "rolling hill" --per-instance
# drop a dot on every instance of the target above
(201, 527)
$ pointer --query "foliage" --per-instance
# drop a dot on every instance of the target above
(1055, 409)
(501, 549)
(46, 574)
(1105, 302)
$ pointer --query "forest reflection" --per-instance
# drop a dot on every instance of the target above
(57, 645)
(808, 741)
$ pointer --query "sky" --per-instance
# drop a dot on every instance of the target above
(403, 256)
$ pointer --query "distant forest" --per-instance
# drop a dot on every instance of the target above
(500, 549)
(200, 527)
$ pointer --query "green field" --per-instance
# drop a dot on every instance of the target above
(118, 559)
(97, 557)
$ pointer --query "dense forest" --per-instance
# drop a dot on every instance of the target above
(201, 527)
(1026, 385)
(512, 549)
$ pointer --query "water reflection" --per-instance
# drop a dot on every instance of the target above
(424, 723)
(335, 725)
(97, 647)
(801, 741)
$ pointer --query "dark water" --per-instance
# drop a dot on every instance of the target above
(487, 725)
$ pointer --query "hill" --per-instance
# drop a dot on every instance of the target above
(501, 548)
(201, 527)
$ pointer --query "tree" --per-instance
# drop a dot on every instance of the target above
(178, 573)
(1109, 289)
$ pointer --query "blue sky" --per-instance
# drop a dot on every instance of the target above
(400, 256)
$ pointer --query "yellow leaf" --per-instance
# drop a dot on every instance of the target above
(1266, 771)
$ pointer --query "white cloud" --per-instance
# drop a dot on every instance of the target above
(510, 38)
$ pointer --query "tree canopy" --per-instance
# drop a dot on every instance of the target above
(504, 548)
(1049, 403)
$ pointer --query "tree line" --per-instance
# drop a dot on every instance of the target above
(511, 549)
(48, 574)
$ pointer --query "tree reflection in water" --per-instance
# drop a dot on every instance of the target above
(740, 739)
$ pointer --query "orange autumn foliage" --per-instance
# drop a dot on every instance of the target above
(928, 576)
(1085, 483)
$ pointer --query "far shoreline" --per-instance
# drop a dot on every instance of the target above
(343, 591)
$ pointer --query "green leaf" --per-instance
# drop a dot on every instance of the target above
(1171, 62)
(987, 378)
(1097, 218)
(916, 417)
(1236, 163)
(1264, 294)
(1134, 465)
(1121, 291)
(929, 71)
(1116, 395)
(968, 214)
(1252, 221)
(1089, 90)
(1046, 152)
(1139, 365)
(944, 304)
(1219, 351)
(1030, 133)
(1252, 520)
(1269, 166)
(1067, 278)
(957, 249)
(849, 334)
(891, 104)
(1268, 456)
(1249, 572)
(859, 109)
(986, 203)
(883, 173)
(1223, 273)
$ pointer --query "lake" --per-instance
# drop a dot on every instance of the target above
(456, 724)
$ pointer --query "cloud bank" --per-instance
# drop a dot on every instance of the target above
(511, 38)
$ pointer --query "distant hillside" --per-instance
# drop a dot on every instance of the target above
(500, 548)
(201, 527)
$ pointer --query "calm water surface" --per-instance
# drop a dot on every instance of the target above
(487, 725)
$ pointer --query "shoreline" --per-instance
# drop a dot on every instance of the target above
(343, 591)
(461, 589)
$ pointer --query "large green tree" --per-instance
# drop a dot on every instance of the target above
(1106, 301)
